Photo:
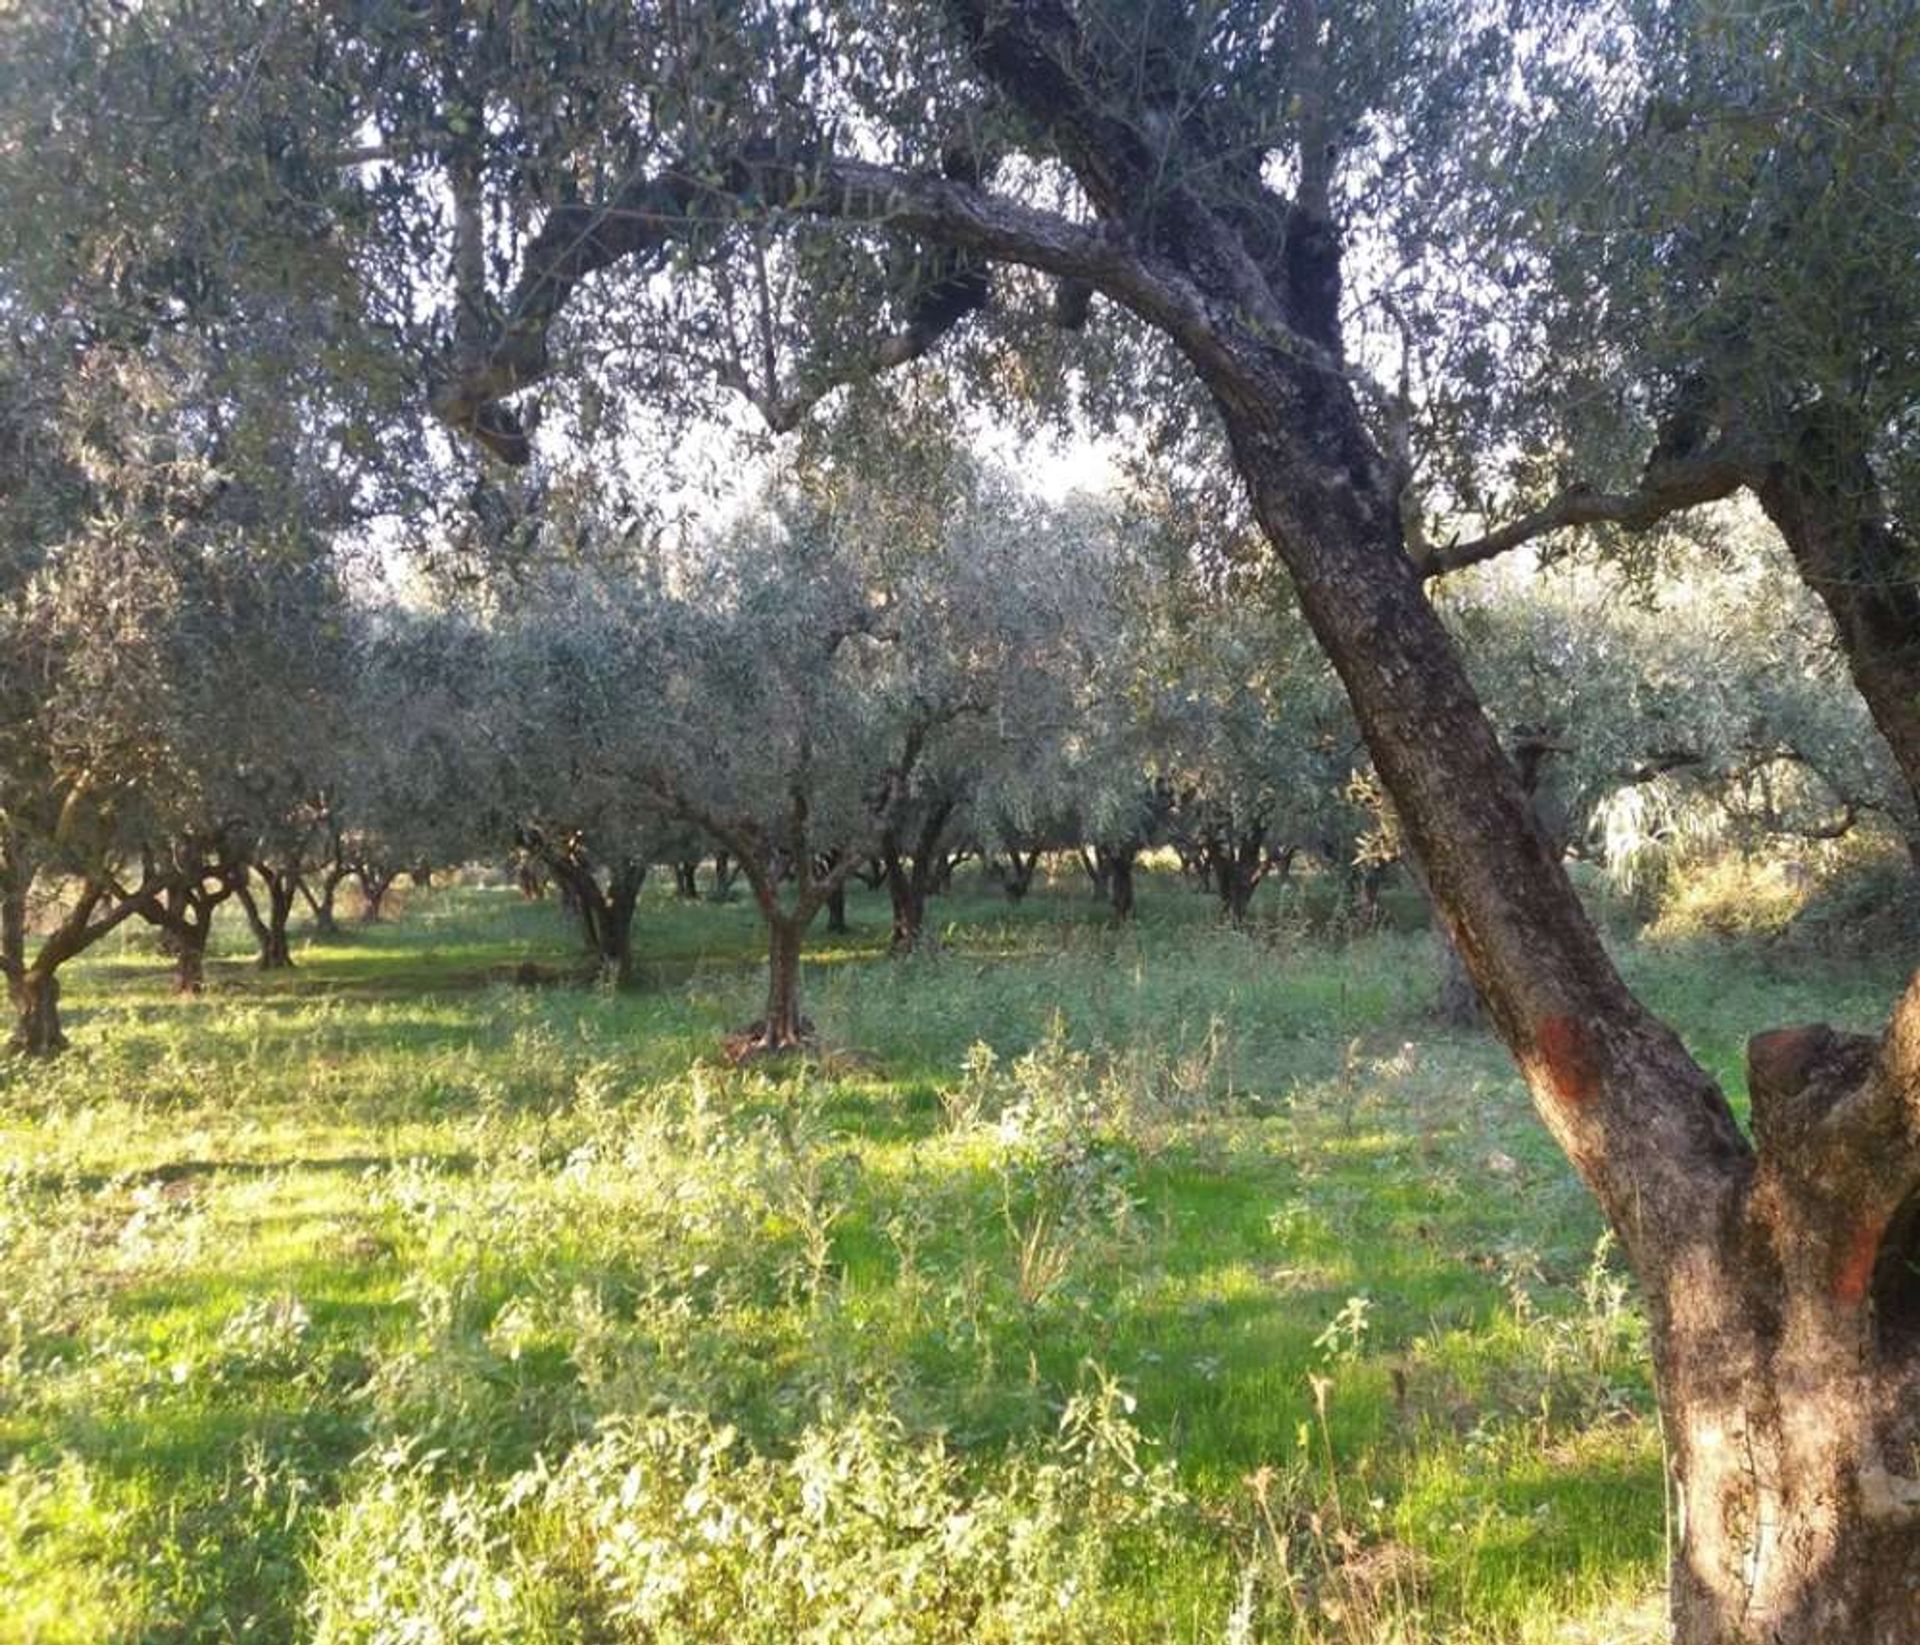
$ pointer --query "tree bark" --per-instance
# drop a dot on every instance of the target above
(375, 883)
(270, 930)
(1236, 866)
(190, 958)
(837, 910)
(1018, 880)
(616, 923)
(724, 873)
(1789, 1367)
(605, 914)
(908, 897)
(912, 879)
(1825, 501)
(325, 922)
(686, 883)
(184, 911)
(1116, 870)
(782, 1028)
(13, 926)
(36, 1014)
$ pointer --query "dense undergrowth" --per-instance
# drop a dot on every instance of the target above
(1167, 1284)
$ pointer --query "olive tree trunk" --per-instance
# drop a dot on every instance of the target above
(1116, 863)
(1826, 502)
(1789, 1411)
(35, 996)
(269, 925)
(782, 1027)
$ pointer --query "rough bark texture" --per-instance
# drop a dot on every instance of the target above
(782, 1027)
(1788, 1370)
(36, 1015)
(686, 882)
(1826, 503)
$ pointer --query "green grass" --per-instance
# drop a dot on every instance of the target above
(1172, 1283)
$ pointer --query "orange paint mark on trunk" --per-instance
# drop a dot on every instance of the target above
(1854, 1272)
(1567, 1054)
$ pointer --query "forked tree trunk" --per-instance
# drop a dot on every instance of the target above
(1236, 868)
(270, 928)
(606, 915)
(325, 921)
(35, 996)
(1096, 873)
(725, 871)
(686, 883)
(184, 913)
(1019, 875)
(375, 883)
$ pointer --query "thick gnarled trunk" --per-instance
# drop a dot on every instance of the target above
(605, 913)
(1789, 1358)
(35, 996)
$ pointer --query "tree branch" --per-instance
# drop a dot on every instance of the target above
(1669, 486)
(638, 225)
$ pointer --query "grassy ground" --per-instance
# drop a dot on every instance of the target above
(1171, 1284)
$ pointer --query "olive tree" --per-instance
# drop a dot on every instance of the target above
(1705, 265)
(778, 200)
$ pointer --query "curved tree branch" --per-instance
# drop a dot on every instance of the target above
(1670, 486)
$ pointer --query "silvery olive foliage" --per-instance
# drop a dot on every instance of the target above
(1715, 686)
